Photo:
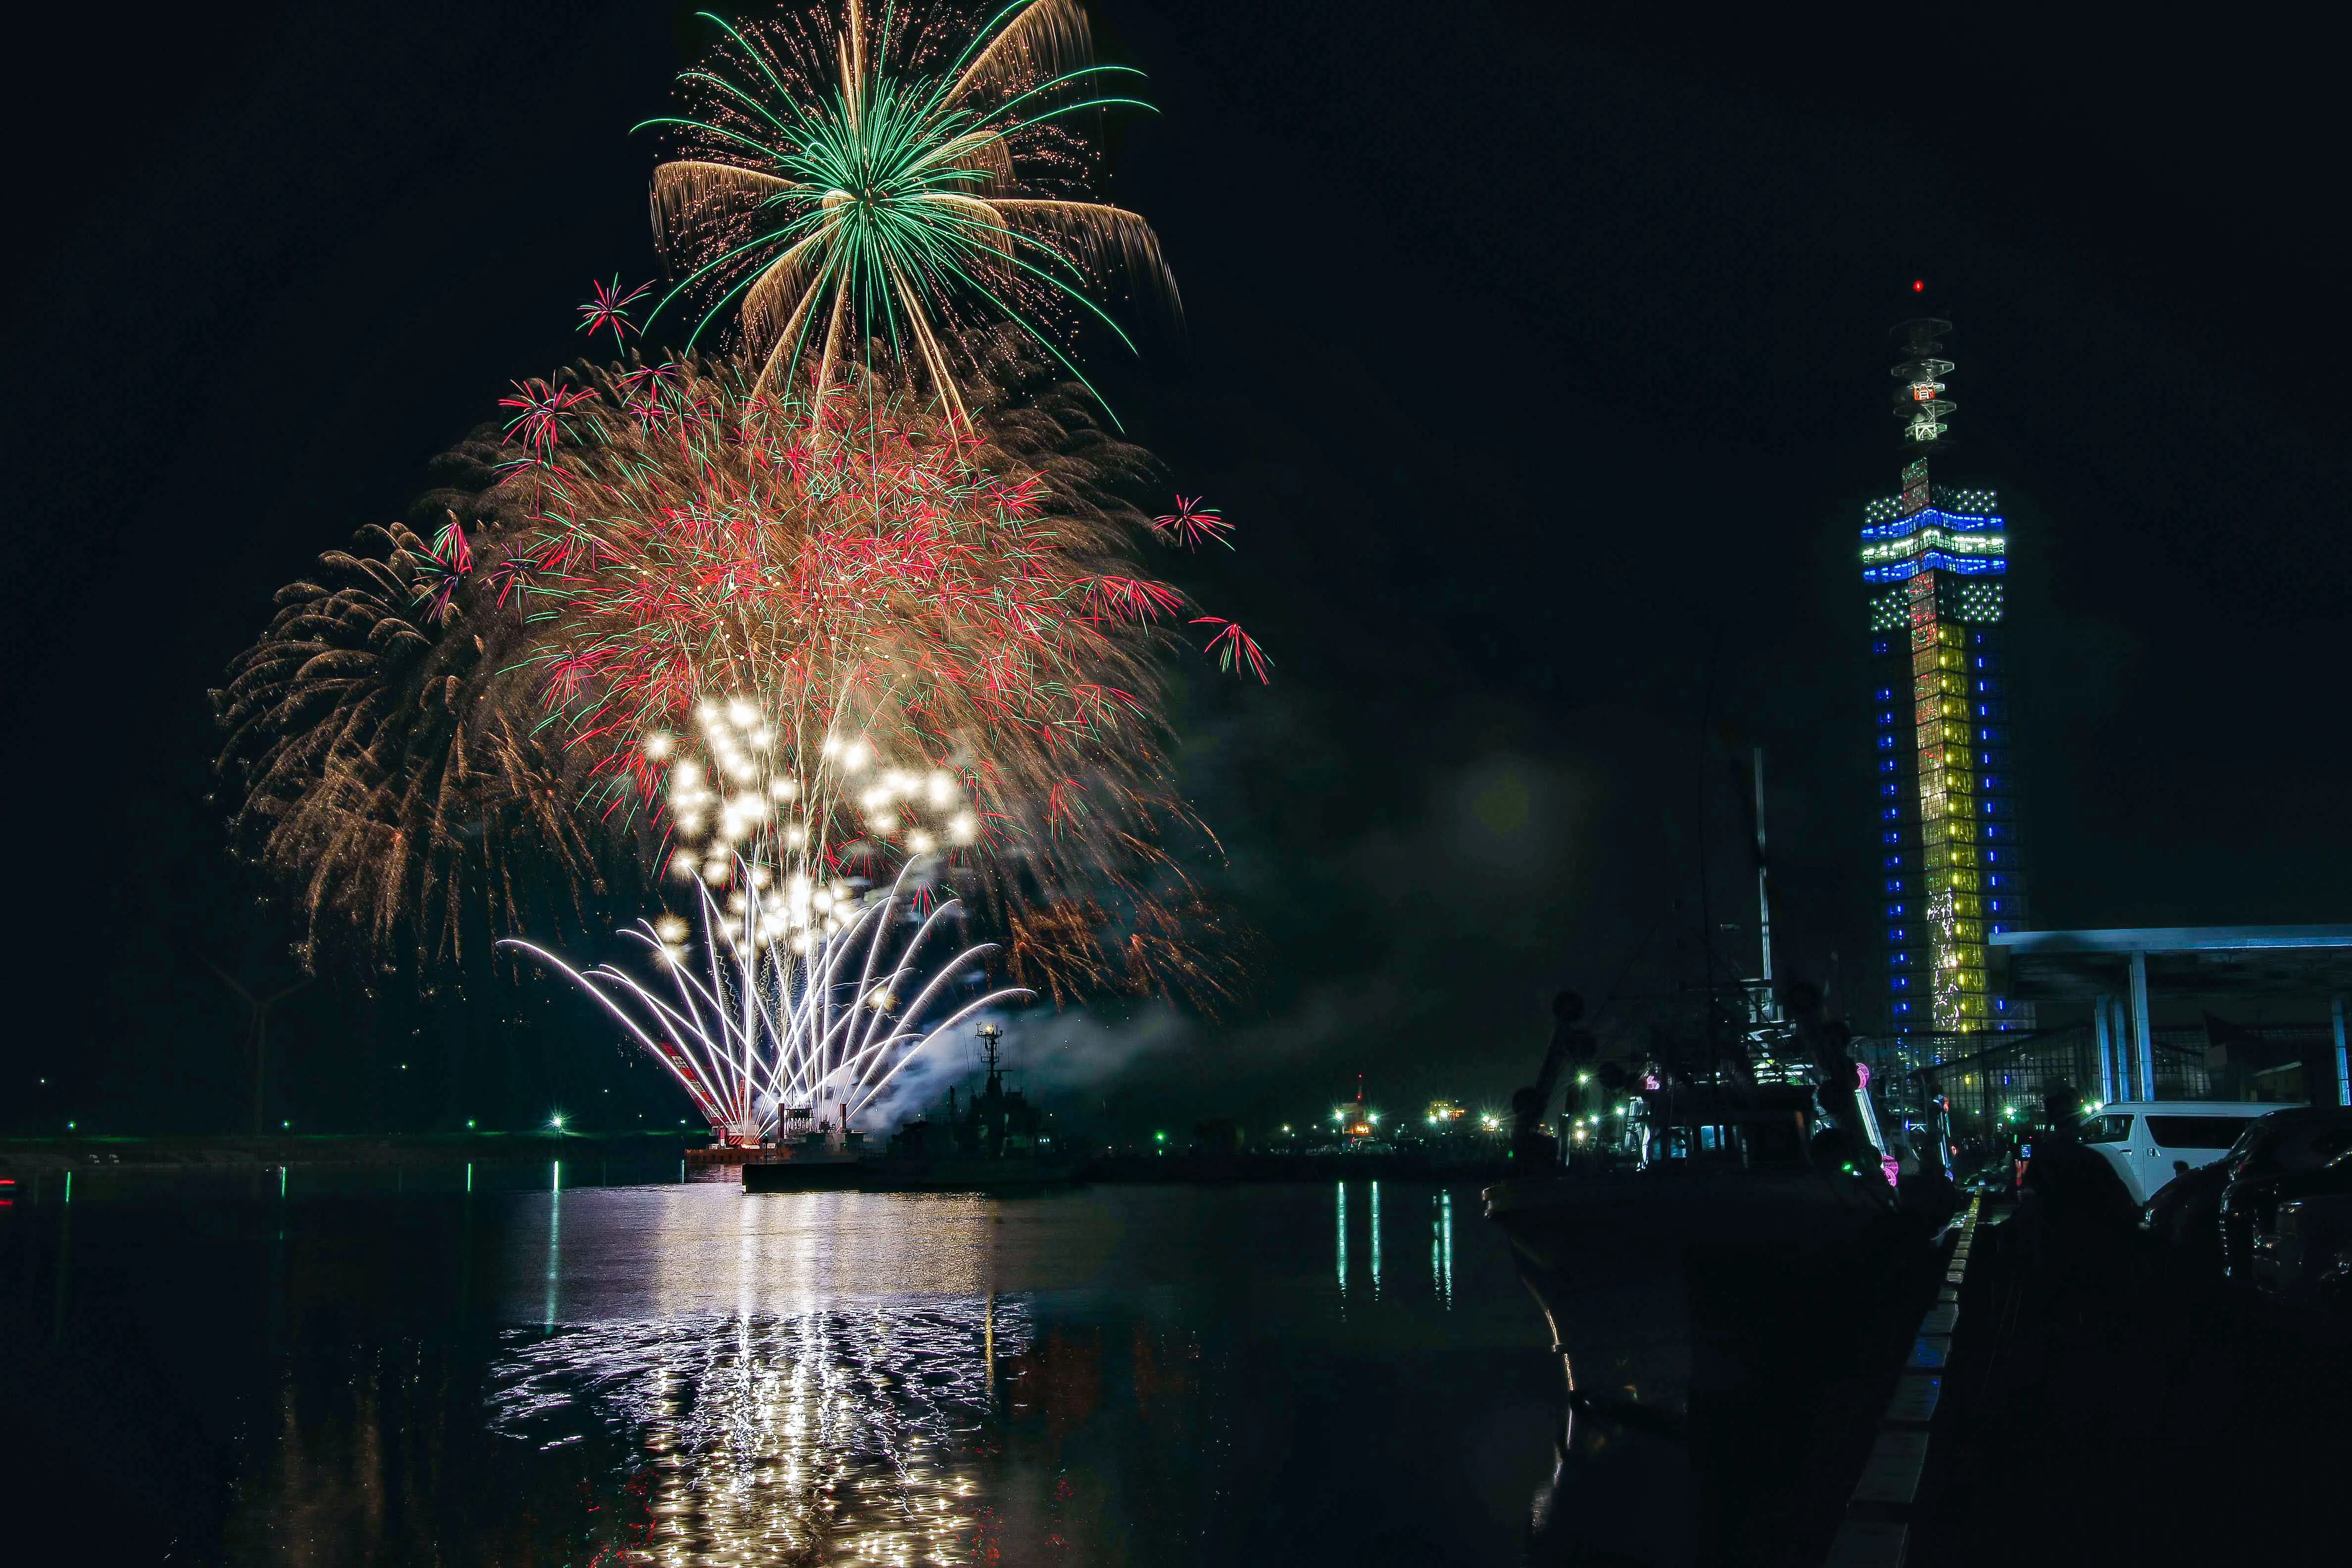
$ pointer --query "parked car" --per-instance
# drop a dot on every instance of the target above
(2332, 1287)
(2312, 1230)
(2150, 1143)
(2186, 1210)
(2296, 1152)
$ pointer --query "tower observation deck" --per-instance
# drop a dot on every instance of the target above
(1935, 563)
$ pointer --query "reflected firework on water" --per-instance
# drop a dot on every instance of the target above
(679, 1374)
(825, 1436)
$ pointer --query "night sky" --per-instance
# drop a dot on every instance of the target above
(1541, 363)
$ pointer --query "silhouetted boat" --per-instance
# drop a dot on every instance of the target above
(1696, 1302)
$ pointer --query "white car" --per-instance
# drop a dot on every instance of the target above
(2150, 1142)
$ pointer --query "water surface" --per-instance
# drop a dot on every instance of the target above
(684, 1374)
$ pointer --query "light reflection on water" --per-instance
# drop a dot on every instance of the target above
(843, 1437)
(686, 1375)
(815, 1377)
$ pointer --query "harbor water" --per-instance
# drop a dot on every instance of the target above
(404, 1371)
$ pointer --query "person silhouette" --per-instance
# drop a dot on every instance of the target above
(1569, 1043)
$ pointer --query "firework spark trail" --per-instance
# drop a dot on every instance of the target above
(775, 1029)
(891, 180)
(382, 753)
(905, 603)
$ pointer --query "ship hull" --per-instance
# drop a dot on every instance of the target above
(1696, 1314)
(1012, 1173)
(805, 1172)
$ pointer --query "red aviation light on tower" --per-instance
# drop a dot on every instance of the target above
(1918, 285)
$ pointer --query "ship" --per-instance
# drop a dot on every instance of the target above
(1709, 1243)
(994, 1140)
(810, 1153)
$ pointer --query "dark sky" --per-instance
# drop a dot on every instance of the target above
(1538, 353)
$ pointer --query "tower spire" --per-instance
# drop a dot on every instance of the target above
(1919, 400)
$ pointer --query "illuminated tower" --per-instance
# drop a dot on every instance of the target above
(1935, 559)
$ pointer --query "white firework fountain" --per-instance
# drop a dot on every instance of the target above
(811, 991)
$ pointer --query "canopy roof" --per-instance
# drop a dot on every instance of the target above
(2182, 961)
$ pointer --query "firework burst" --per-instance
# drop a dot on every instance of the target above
(903, 610)
(673, 634)
(839, 633)
(792, 1037)
(904, 657)
(382, 750)
(855, 182)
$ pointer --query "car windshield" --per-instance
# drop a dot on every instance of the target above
(2195, 1131)
(2304, 1146)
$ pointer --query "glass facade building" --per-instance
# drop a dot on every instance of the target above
(1935, 563)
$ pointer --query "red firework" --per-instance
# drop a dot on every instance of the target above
(609, 310)
(893, 579)
(1192, 524)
